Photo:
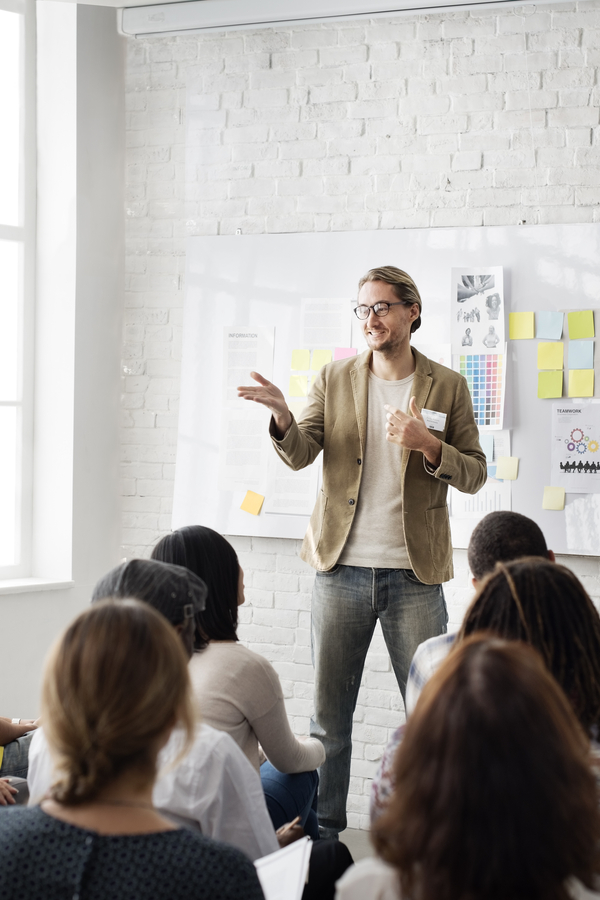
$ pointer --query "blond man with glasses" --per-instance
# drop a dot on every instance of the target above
(395, 429)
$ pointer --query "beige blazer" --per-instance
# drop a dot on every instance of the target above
(335, 421)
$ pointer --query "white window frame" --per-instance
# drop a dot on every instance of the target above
(25, 235)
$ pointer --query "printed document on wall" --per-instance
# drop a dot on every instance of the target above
(477, 310)
(576, 446)
(245, 442)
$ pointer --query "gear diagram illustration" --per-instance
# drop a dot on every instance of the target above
(579, 442)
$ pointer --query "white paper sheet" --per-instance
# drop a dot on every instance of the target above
(326, 323)
(477, 310)
(282, 874)
(245, 442)
(576, 446)
(493, 495)
(245, 350)
(288, 492)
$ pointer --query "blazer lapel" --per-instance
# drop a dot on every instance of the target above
(359, 378)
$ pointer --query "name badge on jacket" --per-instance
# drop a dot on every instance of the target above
(435, 421)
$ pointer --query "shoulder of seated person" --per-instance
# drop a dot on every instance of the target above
(369, 879)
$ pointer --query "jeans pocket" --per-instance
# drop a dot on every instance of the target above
(410, 576)
(329, 572)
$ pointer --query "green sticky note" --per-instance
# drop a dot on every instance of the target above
(551, 356)
(507, 468)
(521, 325)
(550, 384)
(300, 360)
(298, 386)
(320, 358)
(581, 324)
(581, 383)
(554, 498)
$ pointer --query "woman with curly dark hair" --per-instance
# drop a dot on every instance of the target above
(495, 796)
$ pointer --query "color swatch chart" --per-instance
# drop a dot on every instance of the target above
(485, 376)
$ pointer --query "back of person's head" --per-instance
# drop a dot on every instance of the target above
(115, 683)
(172, 590)
(545, 605)
(209, 556)
(495, 797)
(501, 537)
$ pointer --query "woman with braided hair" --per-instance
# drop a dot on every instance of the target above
(545, 605)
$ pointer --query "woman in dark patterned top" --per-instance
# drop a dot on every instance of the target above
(115, 686)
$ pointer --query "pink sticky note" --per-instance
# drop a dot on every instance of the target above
(344, 352)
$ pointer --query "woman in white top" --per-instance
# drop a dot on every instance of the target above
(495, 795)
(239, 690)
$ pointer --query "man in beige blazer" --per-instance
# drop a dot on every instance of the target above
(395, 429)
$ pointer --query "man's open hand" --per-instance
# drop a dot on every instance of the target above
(270, 396)
(411, 432)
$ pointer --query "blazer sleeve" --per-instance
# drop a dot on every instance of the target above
(463, 464)
(303, 441)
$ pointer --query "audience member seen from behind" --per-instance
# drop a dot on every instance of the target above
(238, 690)
(115, 686)
(212, 788)
(545, 605)
(495, 795)
(500, 537)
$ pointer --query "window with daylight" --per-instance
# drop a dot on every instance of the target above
(17, 259)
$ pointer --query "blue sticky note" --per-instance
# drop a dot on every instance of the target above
(581, 354)
(549, 325)
(487, 445)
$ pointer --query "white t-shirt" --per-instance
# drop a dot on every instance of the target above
(376, 538)
(214, 788)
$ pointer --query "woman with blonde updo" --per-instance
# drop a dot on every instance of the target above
(115, 686)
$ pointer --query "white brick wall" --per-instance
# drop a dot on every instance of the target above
(415, 121)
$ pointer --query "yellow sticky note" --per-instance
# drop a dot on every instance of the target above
(320, 358)
(252, 503)
(298, 386)
(520, 326)
(550, 384)
(300, 360)
(551, 356)
(581, 324)
(554, 498)
(507, 467)
(581, 383)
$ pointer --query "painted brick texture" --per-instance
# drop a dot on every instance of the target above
(460, 119)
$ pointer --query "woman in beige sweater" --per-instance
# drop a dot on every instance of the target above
(238, 690)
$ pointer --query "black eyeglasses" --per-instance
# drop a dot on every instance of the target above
(380, 309)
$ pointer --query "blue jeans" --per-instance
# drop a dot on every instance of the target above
(15, 760)
(288, 796)
(346, 604)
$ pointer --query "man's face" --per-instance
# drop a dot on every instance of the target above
(387, 334)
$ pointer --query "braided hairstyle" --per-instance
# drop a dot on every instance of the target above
(114, 684)
(545, 605)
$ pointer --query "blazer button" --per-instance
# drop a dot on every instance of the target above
(350, 502)
(359, 461)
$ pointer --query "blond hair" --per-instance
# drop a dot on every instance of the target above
(114, 684)
(403, 285)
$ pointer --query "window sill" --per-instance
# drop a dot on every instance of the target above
(29, 585)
